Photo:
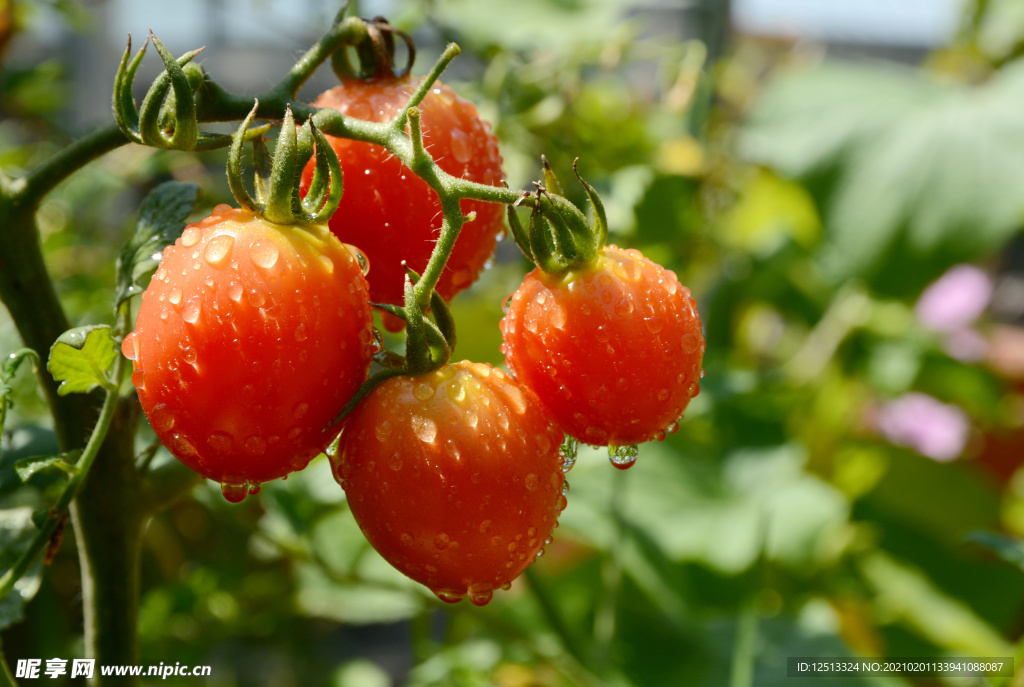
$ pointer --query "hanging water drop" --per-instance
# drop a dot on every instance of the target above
(623, 457)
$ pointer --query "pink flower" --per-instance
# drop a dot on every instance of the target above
(930, 427)
(955, 300)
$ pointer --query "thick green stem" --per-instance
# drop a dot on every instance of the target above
(108, 518)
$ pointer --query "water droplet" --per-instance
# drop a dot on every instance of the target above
(217, 253)
(663, 395)
(562, 502)
(300, 332)
(623, 457)
(531, 482)
(221, 209)
(654, 324)
(690, 343)
(480, 594)
(378, 340)
(423, 392)
(602, 334)
(254, 488)
(461, 146)
(256, 298)
(383, 430)
(512, 546)
(190, 313)
(235, 493)
(395, 461)
(471, 419)
(189, 355)
(175, 297)
(255, 445)
(515, 398)
(130, 346)
(161, 418)
(485, 526)
(453, 450)
(506, 303)
(138, 379)
(424, 428)
(264, 254)
(441, 541)
(568, 452)
(449, 596)
(235, 291)
(456, 391)
(565, 487)
(406, 538)
(299, 411)
(220, 442)
(191, 236)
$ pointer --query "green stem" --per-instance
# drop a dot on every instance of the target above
(611, 575)
(554, 617)
(745, 649)
(6, 679)
(92, 448)
(347, 32)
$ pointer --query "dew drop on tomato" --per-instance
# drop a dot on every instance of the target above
(264, 254)
(623, 457)
(480, 594)
(130, 346)
(234, 493)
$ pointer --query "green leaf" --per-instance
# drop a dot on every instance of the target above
(81, 359)
(16, 533)
(161, 220)
(1009, 549)
(905, 167)
(30, 465)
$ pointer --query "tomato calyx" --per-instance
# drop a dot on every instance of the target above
(278, 176)
(559, 237)
(376, 52)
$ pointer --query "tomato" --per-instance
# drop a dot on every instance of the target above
(250, 339)
(612, 350)
(389, 212)
(454, 477)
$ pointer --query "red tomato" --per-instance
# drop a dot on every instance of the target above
(250, 339)
(613, 351)
(454, 477)
(389, 212)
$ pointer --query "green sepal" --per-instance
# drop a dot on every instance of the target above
(186, 128)
(234, 166)
(600, 217)
(519, 234)
(327, 185)
(283, 204)
(125, 112)
(550, 180)
(81, 359)
(263, 164)
(542, 244)
(396, 310)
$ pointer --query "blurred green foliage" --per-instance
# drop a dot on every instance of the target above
(807, 205)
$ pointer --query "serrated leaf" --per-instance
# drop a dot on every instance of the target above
(26, 467)
(81, 359)
(161, 220)
(16, 533)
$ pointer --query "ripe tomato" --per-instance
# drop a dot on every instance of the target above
(613, 351)
(454, 477)
(389, 212)
(250, 339)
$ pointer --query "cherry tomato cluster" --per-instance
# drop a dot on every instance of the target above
(253, 336)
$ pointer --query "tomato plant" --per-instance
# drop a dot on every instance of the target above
(454, 476)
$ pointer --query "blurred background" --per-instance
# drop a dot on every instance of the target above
(841, 184)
